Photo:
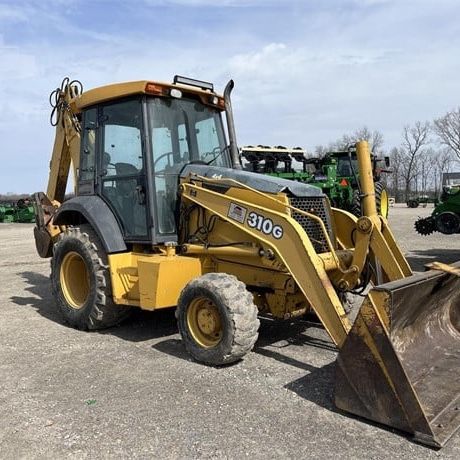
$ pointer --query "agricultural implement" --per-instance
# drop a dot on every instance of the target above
(445, 217)
(22, 211)
(336, 174)
(421, 200)
(6, 213)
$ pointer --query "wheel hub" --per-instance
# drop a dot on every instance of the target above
(74, 279)
(204, 322)
(384, 203)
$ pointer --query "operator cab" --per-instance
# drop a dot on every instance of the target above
(133, 150)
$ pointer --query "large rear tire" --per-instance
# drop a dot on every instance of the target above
(80, 281)
(356, 204)
(217, 319)
(381, 199)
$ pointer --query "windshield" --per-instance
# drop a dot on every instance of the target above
(344, 167)
(182, 131)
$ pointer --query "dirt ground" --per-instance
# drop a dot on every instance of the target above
(133, 392)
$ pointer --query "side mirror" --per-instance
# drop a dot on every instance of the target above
(387, 161)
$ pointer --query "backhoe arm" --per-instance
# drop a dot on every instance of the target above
(66, 150)
(67, 140)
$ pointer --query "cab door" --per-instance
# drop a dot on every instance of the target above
(122, 167)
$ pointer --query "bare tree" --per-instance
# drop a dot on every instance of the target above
(447, 128)
(415, 138)
(395, 180)
(423, 171)
(321, 150)
(444, 162)
(374, 138)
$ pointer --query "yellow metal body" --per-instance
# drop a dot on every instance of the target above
(150, 281)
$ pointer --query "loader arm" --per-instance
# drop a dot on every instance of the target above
(398, 363)
(291, 244)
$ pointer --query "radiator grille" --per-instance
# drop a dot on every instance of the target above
(318, 207)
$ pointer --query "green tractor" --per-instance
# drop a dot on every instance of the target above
(336, 173)
(445, 217)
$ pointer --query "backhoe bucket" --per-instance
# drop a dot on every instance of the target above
(400, 364)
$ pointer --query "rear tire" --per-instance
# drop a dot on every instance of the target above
(356, 204)
(381, 199)
(217, 319)
(447, 223)
(80, 280)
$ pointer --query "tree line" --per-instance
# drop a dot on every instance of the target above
(427, 150)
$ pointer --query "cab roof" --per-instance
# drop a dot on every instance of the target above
(120, 90)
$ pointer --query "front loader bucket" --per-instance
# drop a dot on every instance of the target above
(400, 364)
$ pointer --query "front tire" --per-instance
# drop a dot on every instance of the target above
(80, 281)
(217, 319)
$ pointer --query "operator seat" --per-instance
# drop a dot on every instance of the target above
(134, 214)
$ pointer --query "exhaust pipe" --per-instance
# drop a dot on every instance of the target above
(231, 126)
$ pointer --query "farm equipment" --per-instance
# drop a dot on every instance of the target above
(336, 173)
(163, 216)
(6, 213)
(445, 217)
(24, 211)
(423, 200)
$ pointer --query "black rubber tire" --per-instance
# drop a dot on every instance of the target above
(238, 316)
(412, 204)
(447, 223)
(99, 311)
(379, 189)
(355, 207)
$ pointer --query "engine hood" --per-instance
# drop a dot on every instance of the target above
(260, 182)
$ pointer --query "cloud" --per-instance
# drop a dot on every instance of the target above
(305, 72)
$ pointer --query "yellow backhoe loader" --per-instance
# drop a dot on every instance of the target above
(163, 216)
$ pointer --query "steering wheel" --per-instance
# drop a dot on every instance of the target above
(163, 155)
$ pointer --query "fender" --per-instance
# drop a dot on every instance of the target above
(95, 211)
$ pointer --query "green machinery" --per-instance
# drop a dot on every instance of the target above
(445, 217)
(22, 211)
(6, 213)
(336, 173)
(422, 200)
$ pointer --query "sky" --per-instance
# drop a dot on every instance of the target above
(305, 72)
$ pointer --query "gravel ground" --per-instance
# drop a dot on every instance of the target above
(133, 392)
